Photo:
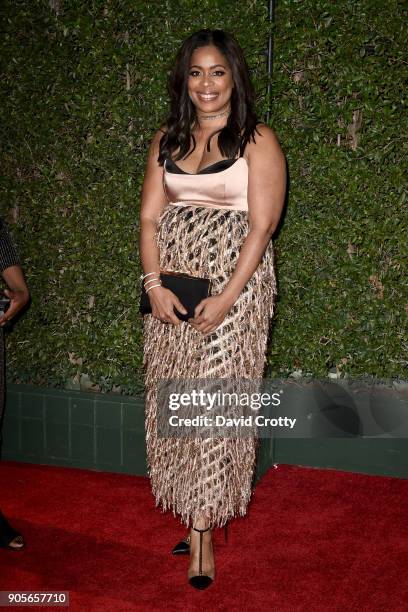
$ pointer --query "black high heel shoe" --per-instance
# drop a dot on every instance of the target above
(201, 581)
(182, 547)
(9, 535)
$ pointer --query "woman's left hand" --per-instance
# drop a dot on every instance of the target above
(210, 313)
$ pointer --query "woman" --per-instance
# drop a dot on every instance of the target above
(213, 216)
(18, 294)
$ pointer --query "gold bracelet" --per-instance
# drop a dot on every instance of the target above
(148, 274)
(158, 285)
(152, 280)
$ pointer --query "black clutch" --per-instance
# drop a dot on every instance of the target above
(190, 290)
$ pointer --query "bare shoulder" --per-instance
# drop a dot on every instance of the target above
(266, 150)
(265, 139)
(154, 147)
(157, 136)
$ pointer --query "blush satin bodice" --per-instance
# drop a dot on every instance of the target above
(216, 188)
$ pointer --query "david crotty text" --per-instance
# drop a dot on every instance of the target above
(222, 421)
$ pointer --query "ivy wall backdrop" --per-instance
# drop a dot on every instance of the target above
(83, 91)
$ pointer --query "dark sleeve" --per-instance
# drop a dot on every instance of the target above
(8, 252)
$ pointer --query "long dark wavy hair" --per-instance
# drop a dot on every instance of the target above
(242, 120)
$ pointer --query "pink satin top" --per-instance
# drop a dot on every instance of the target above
(227, 189)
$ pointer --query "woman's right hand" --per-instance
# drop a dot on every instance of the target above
(163, 301)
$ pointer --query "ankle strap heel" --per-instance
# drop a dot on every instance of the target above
(200, 557)
(200, 581)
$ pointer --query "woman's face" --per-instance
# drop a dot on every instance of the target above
(210, 80)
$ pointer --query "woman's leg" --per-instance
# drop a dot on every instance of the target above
(203, 539)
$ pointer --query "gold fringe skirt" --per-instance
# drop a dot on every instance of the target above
(195, 476)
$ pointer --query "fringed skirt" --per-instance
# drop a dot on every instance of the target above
(195, 476)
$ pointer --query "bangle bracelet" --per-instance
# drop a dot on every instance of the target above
(148, 274)
(156, 280)
(152, 280)
(158, 285)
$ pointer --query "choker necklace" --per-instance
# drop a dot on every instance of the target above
(213, 116)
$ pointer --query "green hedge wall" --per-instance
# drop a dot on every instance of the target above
(340, 111)
(83, 92)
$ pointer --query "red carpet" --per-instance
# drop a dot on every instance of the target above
(313, 540)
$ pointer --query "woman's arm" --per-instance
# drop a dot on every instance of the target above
(266, 196)
(153, 200)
